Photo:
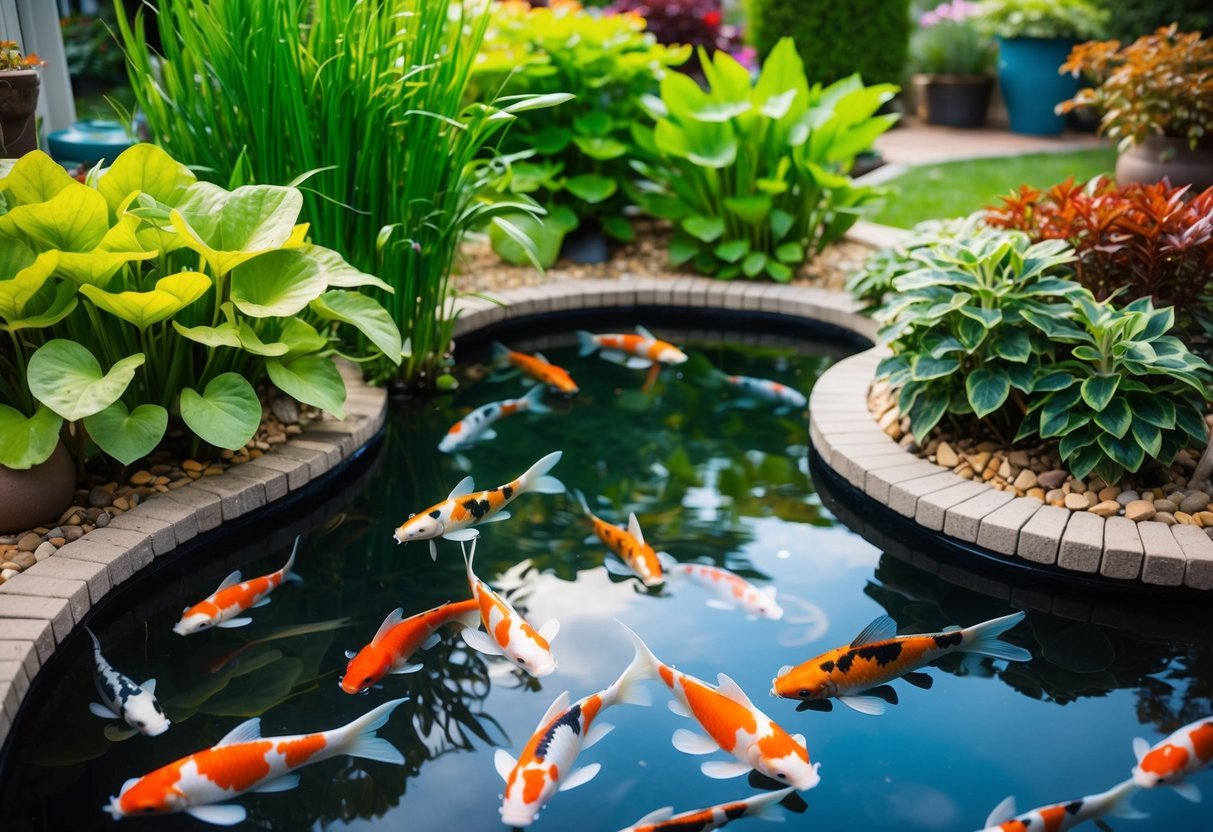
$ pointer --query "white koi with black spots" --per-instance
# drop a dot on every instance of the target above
(477, 425)
(1059, 817)
(122, 699)
(771, 391)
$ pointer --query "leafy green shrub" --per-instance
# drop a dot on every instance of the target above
(1071, 19)
(146, 293)
(754, 173)
(1129, 21)
(1129, 393)
(869, 37)
(373, 106)
(573, 159)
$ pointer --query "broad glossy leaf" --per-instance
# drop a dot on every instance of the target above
(792, 253)
(366, 315)
(22, 277)
(1075, 441)
(36, 177)
(338, 273)
(172, 294)
(128, 435)
(1050, 382)
(47, 308)
(223, 335)
(312, 380)
(619, 227)
(732, 250)
(591, 187)
(705, 229)
(277, 284)
(1011, 344)
(1115, 417)
(778, 271)
(682, 248)
(24, 442)
(1153, 409)
(600, 148)
(754, 264)
(146, 168)
(1124, 451)
(593, 123)
(65, 377)
(987, 390)
(926, 368)
(1192, 422)
(226, 414)
(752, 209)
(521, 238)
(1098, 391)
(927, 411)
(252, 219)
(551, 139)
(301, 338)
(75, 219)
(1148, 436)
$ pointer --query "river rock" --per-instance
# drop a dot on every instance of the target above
(103, 520)
(1077, 502)
(141, 478)
(1107, 508)
(285, 408)
(24, 559)
(1165, 517)
(1140, 510)
(99, 497)
(1025, 480)
(1108, 492)
(1126, 497)
(1194, 502)
(1052, 479)
(945, 456)
(1166, 505)
(28, 542)
(45, 551)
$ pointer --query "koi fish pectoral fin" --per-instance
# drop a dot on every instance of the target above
(496, 518)
(689, 742)
(885, 692)
(115, 734)
(464, 486)
(232, 623)
(505, 762)
(261, 603)
(637, 363)
(246, 731)
(679, 709)
(864, 704)
(596, 733)
(617, 568)
(431, 641)
(1102, 825)
(1188, 791)
(433, 550)
(223, 814)
(481, 642)
(822, 705)
(282, 784)
(580, 777)
(149, 686)
(1001, 813)
(1141, 748)
(724, 769)
(230, 580)
(462, 535)
(97, 709)
(656, 816)
(549, 630)
(717, 604)
(408, 668)
(919, 680)
(881, 629)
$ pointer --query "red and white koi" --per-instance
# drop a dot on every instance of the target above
(771, 391)
(475, 427)
(643, 347)
(453, 518)
(507, 633)
(122, 699)
(1115, 802)
(234, 596)
(722, 814)
(856, 674)
(398, 638)
(734, 725)
(546, 763)
(244, 761)
(629, 546)
(732, 591)
(1169, 762)
(537, 367)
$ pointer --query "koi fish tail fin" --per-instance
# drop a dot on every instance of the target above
(93, 636)
(644, 656)
(763, 807)
(1121, 805)
(501, 354)
(669, 565)
(469, 620)
(626, 688)
(587, 342)
(579, 498)
(288, 569)
(534, 399)
(468, 557)
(360, 739)
(537, 479)
(983, 638)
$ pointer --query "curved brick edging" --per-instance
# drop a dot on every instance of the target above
(40, 606)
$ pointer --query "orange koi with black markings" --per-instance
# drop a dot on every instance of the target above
(537, 367)
(628, 545)
(398, 638)
(233, 597)
(1060, 817)
(713, 817)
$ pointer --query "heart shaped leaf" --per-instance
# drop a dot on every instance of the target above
(252, 219)
(65, 377)
(340, 274)
(48, 307)
(127, 435)
(301, 338)
(366, 315)
(313, 380)
(36, 177)
(21, 277)
(277, 284)
(24, 442)
(172, 294)
(226, 414)
(145, 168)
(74, 219)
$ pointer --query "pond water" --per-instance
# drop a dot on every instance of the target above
(711, 480)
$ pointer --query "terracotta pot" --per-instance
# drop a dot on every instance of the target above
(953, 100)
(36, 496)
(18, 101)
(1167, 156)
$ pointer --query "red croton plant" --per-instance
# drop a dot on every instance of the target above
(1146, 240)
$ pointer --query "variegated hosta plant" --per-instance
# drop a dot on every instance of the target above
(1128, 392)
(144, 295)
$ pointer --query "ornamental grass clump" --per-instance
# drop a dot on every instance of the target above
(754, 173)
(144, 297)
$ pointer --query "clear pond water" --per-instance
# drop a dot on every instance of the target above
(710, 481)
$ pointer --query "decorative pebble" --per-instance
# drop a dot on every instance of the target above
(1077, 502)
(1108, 508)
(24, 559)
(1020, 459)
(1194, 502)
(1025, 480)
(1183, 518)
(1108, 492)
(1052, 479)
(1166, 505)
(979, 461)
(1205, 518)
(1126, 497)
(1038, 493)
(98, 497)
(945, 456)
(29, 542)
(8, 573)
(191, 465)
(1165, 517)
(45, 551)
(103, 520)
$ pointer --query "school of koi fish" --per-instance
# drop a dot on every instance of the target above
(857, 675)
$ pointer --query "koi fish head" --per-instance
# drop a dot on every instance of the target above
(143, 713)
(785, 758)
(562, 382)
(526, 792)
(761, 602)
(670, 354)
(195, 619)
(419, 527)
(1161, 766)
(451, 441)
(145, 796)
(804, 682)
(364, 670)
(531, 653)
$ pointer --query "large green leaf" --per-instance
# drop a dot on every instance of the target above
(600, 148)
(277, 284)
(36, 177)
(47, 308)
(706, 229)
(591, 187)
(172, 294)
(226, 414)
(19, 283)
(752, 209)
(252, 219)
(74, 219)
(65, 377)
(24, 442)
(126, 435)
(366, 315)
(1125, 451)
(987, 390)
(1098, 391)
(148, 169)
(313, 380)
(232, 334)
(1115, 418)
(1156, 410)
(338, 273)
(301, 338)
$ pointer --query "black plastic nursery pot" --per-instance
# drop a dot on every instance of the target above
(953, 100)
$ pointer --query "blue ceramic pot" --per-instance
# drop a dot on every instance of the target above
(1031, 85)
(88, 142)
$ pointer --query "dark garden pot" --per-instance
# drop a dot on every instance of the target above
(38, 495)
(18, 101)
(953, 100)
(1167, 156)
(586, 244)
(1031, 85)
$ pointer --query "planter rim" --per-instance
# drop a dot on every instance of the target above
(1059, 38)
(13, 75)
(947, 78)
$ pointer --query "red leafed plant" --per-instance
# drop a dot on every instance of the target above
(1145, 240)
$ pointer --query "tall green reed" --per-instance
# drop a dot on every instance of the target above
(367, 94)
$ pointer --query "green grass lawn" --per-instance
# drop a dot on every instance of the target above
(953, 189)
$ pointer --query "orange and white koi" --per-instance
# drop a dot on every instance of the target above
(856, 674)
(546, 763)
(453, 518)
(1115, 802)
(244, 761)
(629, 546)
(508, 633)
(475, 427)
(398, 638)
(234, 596)
(643, 347)
(1169, 762)
(734, 725)
(537, 367)
(732, 591)
(759, 806)
(768, 390)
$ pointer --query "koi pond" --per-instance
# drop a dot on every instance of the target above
(715, 476)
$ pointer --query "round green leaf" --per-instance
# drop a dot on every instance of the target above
(65, 377)
(24, 442)
(126, 435)
(987, 390)
(707, 229)
(366, 315)
(277, 284)
(173, 293)
(226, 414)
(313, 380)
(591, 187)
(148, 169)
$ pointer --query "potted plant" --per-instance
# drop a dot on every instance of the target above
(18, 100)
(1034, 38)
(1156, 100)
(951, 58)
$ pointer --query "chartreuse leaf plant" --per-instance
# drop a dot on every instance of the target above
(144, 295)
(755, 173)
